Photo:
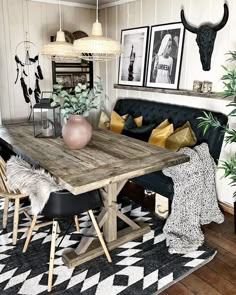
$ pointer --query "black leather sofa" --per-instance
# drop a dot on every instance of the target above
(156, 112)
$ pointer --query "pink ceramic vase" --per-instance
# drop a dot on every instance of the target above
(76, 132)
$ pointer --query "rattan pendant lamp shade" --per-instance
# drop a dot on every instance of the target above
(59, 49)
(97, 47)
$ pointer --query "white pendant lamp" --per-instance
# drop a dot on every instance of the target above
(97, 47)
(59, 49)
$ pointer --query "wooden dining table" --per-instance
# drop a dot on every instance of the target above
(106, 163)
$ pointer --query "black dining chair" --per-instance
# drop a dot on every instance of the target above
(65, 205)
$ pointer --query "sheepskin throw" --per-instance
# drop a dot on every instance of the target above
(36, 183)
(194, 202)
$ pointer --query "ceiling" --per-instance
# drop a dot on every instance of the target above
(91, 2)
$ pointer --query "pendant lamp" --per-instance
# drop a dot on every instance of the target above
(59, 49)
(97, 47)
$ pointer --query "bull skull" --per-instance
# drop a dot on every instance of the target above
(206, 35)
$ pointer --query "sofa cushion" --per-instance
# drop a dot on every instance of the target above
(139, 121)
(130, 123)
(141, 133)
(159, 135)
(156, 112)
(104, 121)
(163, 124)
(182, 137)
(117, 122)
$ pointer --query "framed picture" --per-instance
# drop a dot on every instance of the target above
(79, 78)
(65, 79)
(132, 60)
(72, 73)
(165, 55)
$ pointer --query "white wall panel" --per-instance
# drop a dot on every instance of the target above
(4, 72)
(41, 20)
(135, 13)
(148, 12)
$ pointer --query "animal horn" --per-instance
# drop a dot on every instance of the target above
(224, 19)
(186, 24)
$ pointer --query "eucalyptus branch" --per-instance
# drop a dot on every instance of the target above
(79, 101)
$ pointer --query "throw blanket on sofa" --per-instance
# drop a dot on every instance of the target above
(194, 202)
(36, 183)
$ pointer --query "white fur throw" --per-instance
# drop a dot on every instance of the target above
(36, 183)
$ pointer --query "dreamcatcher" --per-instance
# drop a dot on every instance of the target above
(23, 71)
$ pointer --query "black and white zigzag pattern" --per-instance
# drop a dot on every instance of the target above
(143, 266)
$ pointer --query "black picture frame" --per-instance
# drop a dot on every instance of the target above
(165, 55)
(132, 60)
(65, 79)
(73, 73)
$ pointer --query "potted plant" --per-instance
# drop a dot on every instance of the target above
(229, 80)
(75, 107)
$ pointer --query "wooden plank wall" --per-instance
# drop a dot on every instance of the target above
(41, 20)
(153, 12)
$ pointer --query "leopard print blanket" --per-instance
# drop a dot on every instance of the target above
(194, 202)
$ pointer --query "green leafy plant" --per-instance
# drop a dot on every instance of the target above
(80, 100)
(208, 121)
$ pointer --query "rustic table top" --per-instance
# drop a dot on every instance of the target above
(108, 158)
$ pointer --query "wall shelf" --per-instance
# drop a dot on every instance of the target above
(213, 95)
(72, 73)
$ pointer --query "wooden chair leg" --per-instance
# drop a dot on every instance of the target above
(16, 221)
(29, 234)
(5, 213)
(99, 234)
(77, 223)
(52, 254)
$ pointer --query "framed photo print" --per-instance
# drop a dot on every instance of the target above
(165, 55)
(132, 60)
(79, 78)
(65, 80)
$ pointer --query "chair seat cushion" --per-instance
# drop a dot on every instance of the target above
(157, 182)
(63, 204)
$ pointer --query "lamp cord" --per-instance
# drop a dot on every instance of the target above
(97, 12)
(60, 12)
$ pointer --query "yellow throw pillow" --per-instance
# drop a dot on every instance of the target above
(104, 121)
(139, 121)
(125, 117)
(159, 135)
(117, 123)
(163, 124)
(182, 137)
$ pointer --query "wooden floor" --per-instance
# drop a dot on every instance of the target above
(218, 276)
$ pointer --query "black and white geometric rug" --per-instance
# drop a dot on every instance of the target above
(142, 267)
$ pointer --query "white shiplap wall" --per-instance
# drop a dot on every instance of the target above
(40, 20)
(153, 12)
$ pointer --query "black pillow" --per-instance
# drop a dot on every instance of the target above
(130, 123)
(143, 133)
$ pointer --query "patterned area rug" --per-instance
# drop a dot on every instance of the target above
(143, 266)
